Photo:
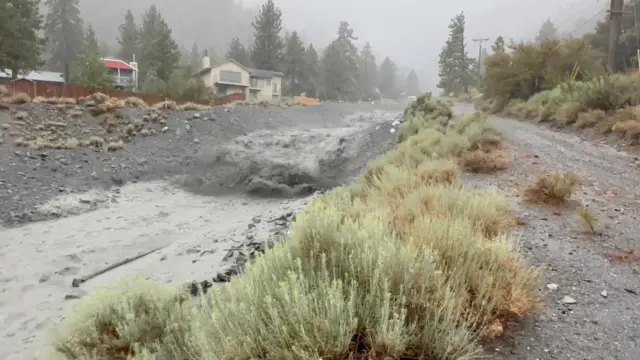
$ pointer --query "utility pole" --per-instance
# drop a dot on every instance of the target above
(615, 13)
(480, 41)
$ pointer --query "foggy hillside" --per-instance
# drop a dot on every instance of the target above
(411, 32)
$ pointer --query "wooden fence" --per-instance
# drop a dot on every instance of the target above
(48, 89)
(306, 100)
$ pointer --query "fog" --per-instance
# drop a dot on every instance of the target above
(411, 32)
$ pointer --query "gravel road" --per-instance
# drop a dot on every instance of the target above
(187, 194)
(591, 303)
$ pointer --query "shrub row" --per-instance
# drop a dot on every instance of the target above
(533, 81)
(611, 104)
(404, 262)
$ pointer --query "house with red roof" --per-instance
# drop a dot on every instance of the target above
(125, 74)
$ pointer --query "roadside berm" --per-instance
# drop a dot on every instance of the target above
(405, 262)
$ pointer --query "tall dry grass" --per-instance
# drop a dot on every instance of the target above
(404, 262)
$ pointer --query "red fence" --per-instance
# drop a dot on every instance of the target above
(53, 89)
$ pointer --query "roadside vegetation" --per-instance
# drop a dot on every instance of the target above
(405, 262)
(534, 82)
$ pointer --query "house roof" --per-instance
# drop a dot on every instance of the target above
(117, 64)
(37, 75)
(264, 74)
(255, 73)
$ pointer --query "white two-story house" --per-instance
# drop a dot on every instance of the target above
(232, 77)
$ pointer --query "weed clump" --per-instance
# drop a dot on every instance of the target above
(552, 188)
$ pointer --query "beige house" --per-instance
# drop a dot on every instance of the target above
(232, 77)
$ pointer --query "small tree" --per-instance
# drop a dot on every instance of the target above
(89, 70)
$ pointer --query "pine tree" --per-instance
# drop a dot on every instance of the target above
(195, 58)
(547, 30)
(312, 70)
(367, 73)
(128, 37)
(238, 52)
(413, 84)
(159, 53)
(455, 64)
(340, 67)
(294, 64)
(387, 78)
(498, 45)
(268, 45)
(20, 44)
(91, 45)
(65, 31)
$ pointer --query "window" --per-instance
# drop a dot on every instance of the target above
(267, 82)
(254, 82)
(230, 76)
(275, 88)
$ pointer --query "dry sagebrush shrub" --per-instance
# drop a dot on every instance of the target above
(131, 317)
(404, 262)
(135, 102)
(190, 106)
(552, 188)
(17, 99)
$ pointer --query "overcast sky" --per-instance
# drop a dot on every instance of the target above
(412, 32)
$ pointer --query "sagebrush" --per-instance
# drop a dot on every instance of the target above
(403, 263)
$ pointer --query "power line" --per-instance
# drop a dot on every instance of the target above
(601, 12)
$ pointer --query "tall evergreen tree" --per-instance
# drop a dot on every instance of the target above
(65, 31)
(312, 70)
(340, 67)
(128, 37)
(294, 64)
(547, 30)
(20, 44)
(91, 45)
(498, 45)
(238, 52)
(195, 58)
(455, 64)
(158, 51)
(268, 45)
(413, 84)
(367, 73)
(387, 78)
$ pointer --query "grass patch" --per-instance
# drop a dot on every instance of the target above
(404, 262)
(552, 188)
(588, 219)
(190, 106)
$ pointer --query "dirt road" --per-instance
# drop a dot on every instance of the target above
(595, 311)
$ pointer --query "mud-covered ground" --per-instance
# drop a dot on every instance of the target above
(591, 283)
(168, 144)
(199, 193)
